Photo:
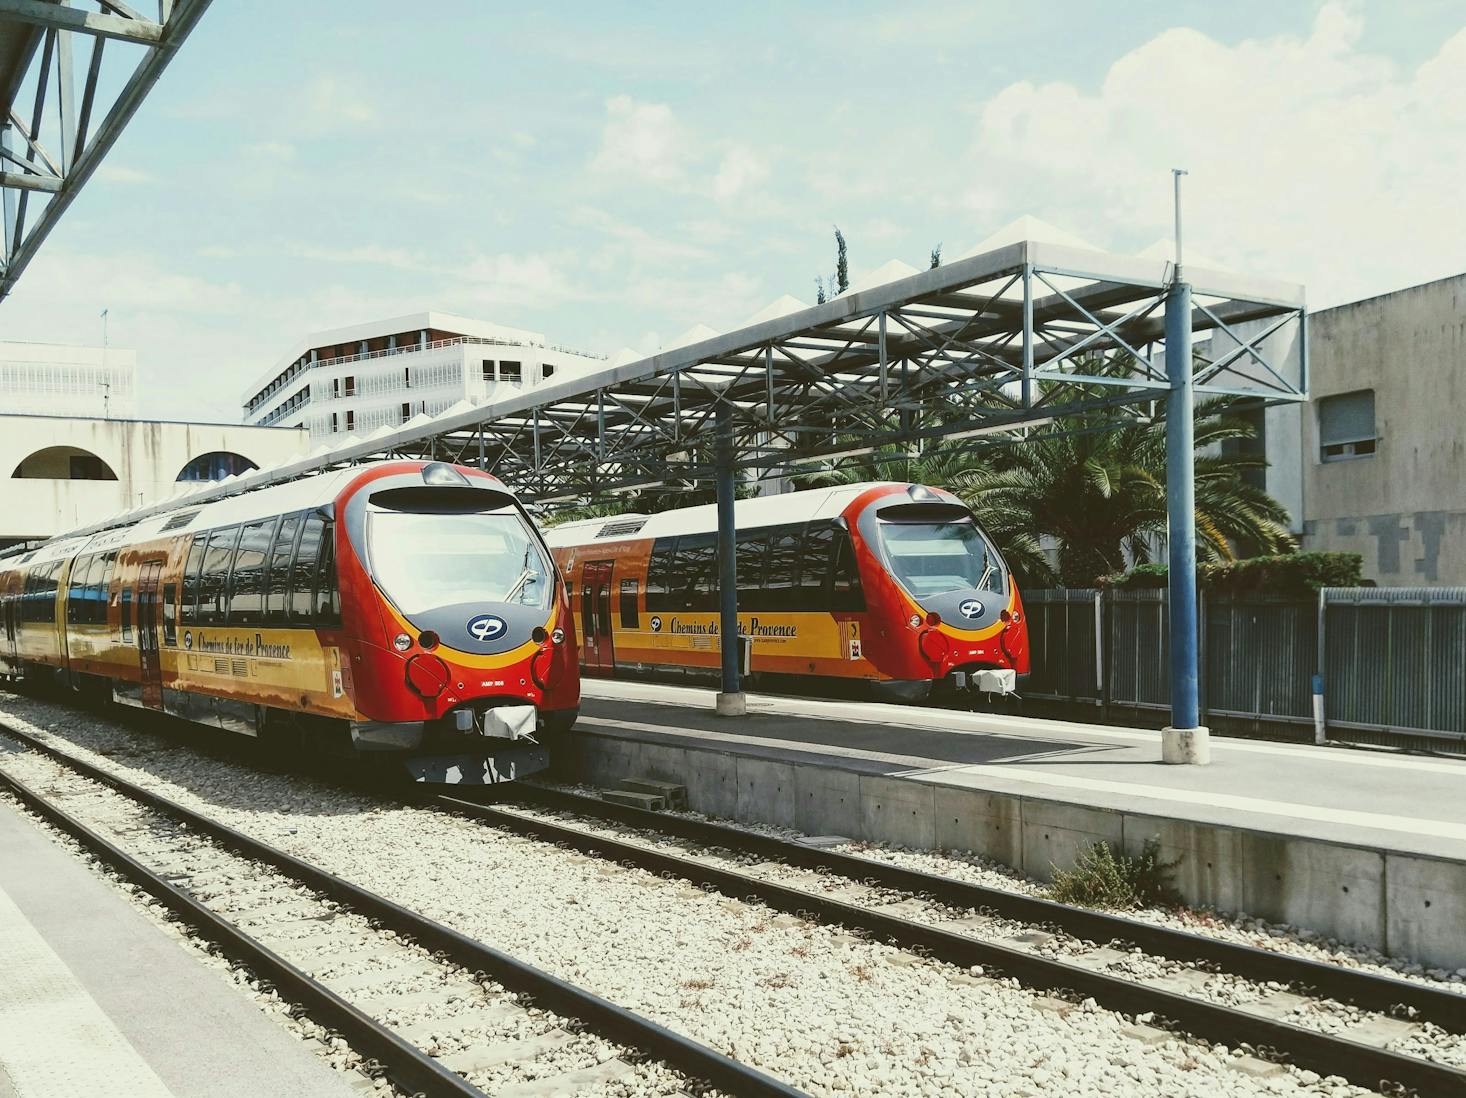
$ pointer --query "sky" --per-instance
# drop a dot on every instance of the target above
(612, 175)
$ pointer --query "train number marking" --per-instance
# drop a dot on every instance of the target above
(486, 627)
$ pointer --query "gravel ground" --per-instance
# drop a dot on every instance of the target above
(829, 1012)
(1324, 1015)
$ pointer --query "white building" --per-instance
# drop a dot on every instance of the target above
(385, 372)
(63, 472)
(60, 380)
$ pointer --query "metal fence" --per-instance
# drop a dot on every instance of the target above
(1391, 661)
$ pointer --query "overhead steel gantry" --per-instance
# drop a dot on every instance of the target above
(54, 129)
(1025, 337)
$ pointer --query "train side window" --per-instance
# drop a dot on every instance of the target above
(277, 590)
(695, 573)
(76, 590)
(846, 594)
(125, 612)
(630, 616)
(328, 589)
(170, 613)
(247, 582)
(819, 540)
(191, 571)
(105, 600)
(303, 574)
(214, 579)
(659, 575)
(752, 548)
(781, 572)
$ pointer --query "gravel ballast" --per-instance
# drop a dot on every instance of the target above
(826, 1011)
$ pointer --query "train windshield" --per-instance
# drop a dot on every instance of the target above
(423, 561)
(934, 558)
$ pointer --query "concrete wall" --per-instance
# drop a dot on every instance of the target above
(1402, 508)
(1406, 905)
(146, 456)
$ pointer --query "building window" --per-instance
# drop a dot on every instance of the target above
(351, 385)
(407, 376)
(216, 465)
(350, 420)
(335, 387)
(1346, 426)
(511, 373)
(406, 412)
(488, 368)
(334, 426)
(549, 371)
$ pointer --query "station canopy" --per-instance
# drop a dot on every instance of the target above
(1020, 337)
(72, 73)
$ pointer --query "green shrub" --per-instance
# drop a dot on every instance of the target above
(1292, 575)
(1104, 877)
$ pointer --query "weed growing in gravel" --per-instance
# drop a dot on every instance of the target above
(1105, 877)
(697, 983)
(862, 973)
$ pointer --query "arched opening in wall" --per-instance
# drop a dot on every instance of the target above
(216, 465)
(63, 463)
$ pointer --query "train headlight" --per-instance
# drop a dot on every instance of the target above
(402, 642)
(558, 636)
(915, 621)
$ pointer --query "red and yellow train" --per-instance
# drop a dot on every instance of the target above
(893, 585)
(403, 608)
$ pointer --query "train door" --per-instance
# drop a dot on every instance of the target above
(147, 633)
(10, 612)
(597, 655)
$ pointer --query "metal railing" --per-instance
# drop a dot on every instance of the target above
(1390, 662)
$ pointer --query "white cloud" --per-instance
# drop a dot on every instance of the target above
(1309, 158)
(330, 100)
(641, 141)
(119, 173)
(740, 169)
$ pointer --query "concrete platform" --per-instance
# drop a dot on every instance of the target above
(1361, 845)
(95, 999)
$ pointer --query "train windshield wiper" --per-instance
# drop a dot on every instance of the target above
(528, 576)
(986, 573)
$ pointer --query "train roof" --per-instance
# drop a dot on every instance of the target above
(813, 503)
(294, 495)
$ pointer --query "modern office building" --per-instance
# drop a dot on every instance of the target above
(57, 379)
(386, 372)
(62, 472)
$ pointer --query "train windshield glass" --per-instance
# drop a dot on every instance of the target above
(423, 561)
(933, 558)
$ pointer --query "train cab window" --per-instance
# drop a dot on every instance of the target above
(819, 540)
(277, 585)
(303, 574)
(124, 611)
(191, 571)
(935, 557)
(630, 617)
(659, 575)
(214, 578)
(247, 582)
(845, 590)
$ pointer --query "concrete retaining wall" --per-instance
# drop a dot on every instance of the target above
(1402, 904)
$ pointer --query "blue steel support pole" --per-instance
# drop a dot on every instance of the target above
(730, 700)
(1181, 513)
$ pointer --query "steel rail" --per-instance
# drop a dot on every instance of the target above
(1327, 1054)
(605, 1018)
(1368, 990)
(409, 1067)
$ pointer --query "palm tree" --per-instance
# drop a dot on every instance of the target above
(1096, 491)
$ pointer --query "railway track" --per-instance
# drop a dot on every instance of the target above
(430, 1005)
(979, 930)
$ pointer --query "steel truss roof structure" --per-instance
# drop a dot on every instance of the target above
(1008, 340)
(54, 134)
